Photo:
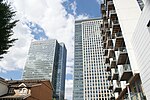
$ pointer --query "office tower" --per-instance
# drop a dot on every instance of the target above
(90, 77)
(120, 19)
(60, 86)
(47, 60)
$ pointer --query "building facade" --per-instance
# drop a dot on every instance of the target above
(61, 73)
(47, 60)
(3, 86)
(28, 90)
(141, 45)
(120, 18)
(90, 77)
(78, 64)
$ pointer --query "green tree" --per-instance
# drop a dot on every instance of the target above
(6, 27)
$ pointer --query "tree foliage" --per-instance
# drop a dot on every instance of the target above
(6, 27)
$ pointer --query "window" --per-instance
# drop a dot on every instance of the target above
(148, 26)
(11, 90)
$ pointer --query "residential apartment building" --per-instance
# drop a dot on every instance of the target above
(141, 44)
(47, 60)
(120, 18)
(28, 90)
(90, 77)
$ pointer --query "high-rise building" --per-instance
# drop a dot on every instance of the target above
(124, 48)
(47, 60)
(61, 72)
(90, 77)
(141, 44)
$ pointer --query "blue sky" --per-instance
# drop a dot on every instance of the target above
(86, 7)
(89, 7)
(54, 19)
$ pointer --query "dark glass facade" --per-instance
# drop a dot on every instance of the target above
(47, 60)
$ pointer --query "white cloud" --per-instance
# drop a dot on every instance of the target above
(69, 89)
(100, 1)
(69, 70)
(56, 22)
(51, 16)
(15, 58)
(74, 7)
(82, 16)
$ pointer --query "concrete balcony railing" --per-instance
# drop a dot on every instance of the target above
(125, 72)
(113, 62)
(115, 27)
(111, 52)
(109, 77)
(106, 60)
(110, 3)
(115, 75)
(105, 23)
(110, 86)
(112, 14)
(117, 87)
(107, 34)
(104, 16)
(110, 6)
(119, 34)
(103, 8)
(102, 5)
(108, 69)
(112, 97)
(105, 1)
(122, 56)
(104, 45)
(109, 43)
(105, 52)
(118, 40)
(138, 96)
(115, 22)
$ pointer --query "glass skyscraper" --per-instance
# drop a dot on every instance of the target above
(60, 86)
(47, 60)
(90, 77)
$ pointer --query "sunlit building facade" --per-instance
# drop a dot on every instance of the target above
(47, 60)
(90, 77)
(125, 47)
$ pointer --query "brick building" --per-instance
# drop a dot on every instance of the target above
(28, 90)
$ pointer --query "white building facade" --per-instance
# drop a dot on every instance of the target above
(120, 44)
(94, 79)
(141, 45)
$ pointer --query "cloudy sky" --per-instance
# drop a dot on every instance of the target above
(45, 19)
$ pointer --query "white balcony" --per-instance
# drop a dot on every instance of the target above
(115, 74)
(113, 62)
(115, 27)
(112, 14)
(116, 87)
(119, 41)
(125, 72)
(122, 56)
(110, 5)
